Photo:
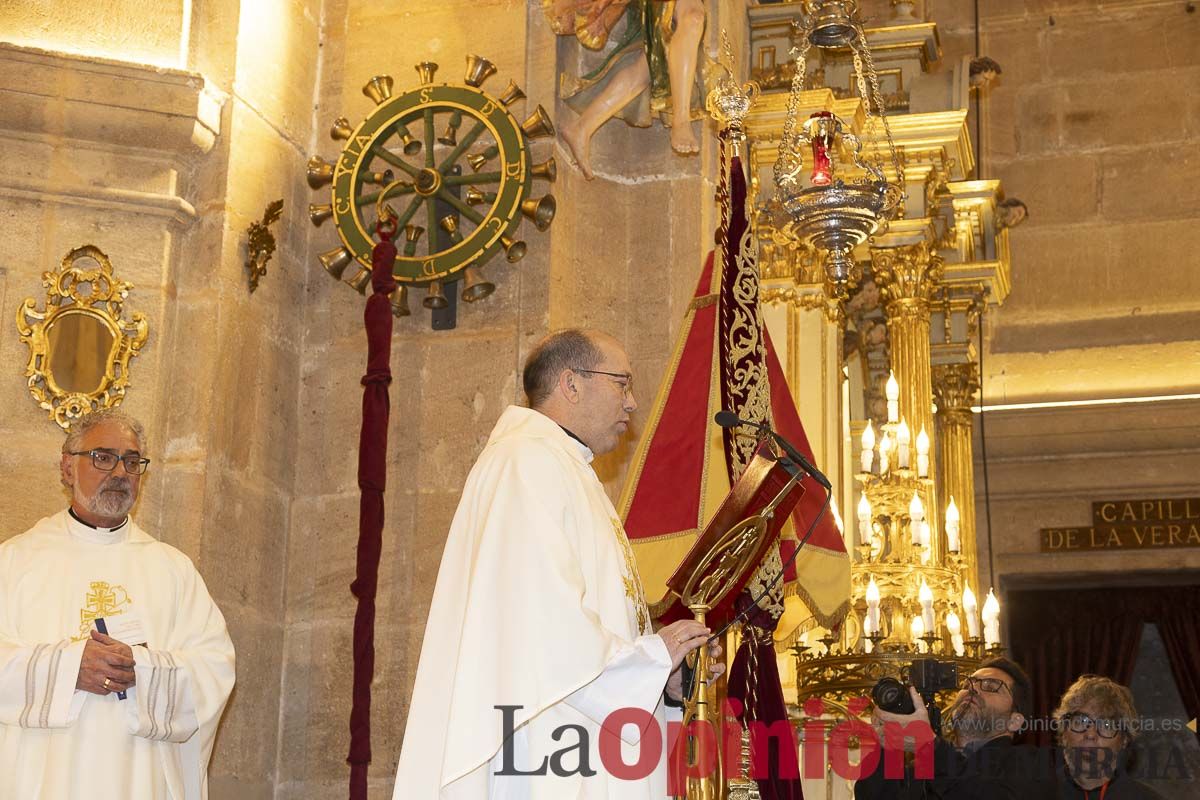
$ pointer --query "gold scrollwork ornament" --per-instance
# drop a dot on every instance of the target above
(81, 343)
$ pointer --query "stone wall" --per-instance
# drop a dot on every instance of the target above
(623, 254)
(162, 159)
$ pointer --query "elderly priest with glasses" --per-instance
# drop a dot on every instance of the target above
(115, 664)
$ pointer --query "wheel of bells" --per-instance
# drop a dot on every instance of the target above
(451, 166)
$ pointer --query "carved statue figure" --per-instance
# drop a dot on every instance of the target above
(658, 51)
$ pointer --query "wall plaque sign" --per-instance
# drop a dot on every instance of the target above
(1154, 524)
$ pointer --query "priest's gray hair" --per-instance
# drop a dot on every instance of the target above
(105, 415)
(571, 348)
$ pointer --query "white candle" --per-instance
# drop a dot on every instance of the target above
(925, 595)
(952, 519)
(971, 611)
(885, 450)
(903, 442)
(872, 623)
(922, 454)
(991, 620)
(864, 519)
(916, 513)
(868, 447)
(892, 391)
(955, 629)
(917, 629)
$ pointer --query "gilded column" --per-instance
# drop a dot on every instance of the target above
(955, 387)
(907, 277)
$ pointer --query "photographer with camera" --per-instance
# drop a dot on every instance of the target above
(976, 757)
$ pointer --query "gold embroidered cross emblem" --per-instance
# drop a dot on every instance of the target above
(102, 600)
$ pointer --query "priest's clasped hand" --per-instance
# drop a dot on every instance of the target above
(106, 667)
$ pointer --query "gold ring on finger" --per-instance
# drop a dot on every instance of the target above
(106, 682)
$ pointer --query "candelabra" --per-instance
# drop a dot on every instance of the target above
(911, 600)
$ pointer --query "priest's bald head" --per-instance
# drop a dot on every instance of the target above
(581, 379)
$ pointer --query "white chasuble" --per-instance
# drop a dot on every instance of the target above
(58, 743)
(538, 609)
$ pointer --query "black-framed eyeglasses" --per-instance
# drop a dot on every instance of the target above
(1079, 722)
(106, 461)
(625, 382)
(989, 685)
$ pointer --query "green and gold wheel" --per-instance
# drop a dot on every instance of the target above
(451, 166)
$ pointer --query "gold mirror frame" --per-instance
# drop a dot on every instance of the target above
(96, 295)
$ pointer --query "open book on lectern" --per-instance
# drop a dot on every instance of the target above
(732, 545)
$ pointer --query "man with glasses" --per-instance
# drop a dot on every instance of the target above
(976, 758)
(539, 630)
(1096, 723)
(115, 664)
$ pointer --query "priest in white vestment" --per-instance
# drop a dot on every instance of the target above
(538, 629)
(129, 715)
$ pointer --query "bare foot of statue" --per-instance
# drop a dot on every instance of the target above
(577, 147)
(683, 141)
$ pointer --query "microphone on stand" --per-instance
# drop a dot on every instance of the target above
(728, 419)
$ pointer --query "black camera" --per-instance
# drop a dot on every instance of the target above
(928, 675)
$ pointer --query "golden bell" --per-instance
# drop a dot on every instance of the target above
(477, 197)
(341, 129)
(548, 169)
(540, 211)
(538, 124)
(319, 213)
(449, 224)
(479, 69)
(436, 298)
(512, 94)
(378, 178)
(320, 172)
(426, 69)
(335, 261)
(360, 281)
(399, 300)
(474, 285)
(412, 145)
(378, 88)
(477, 161)
(411, 234)
(514, 251)
(450, 137)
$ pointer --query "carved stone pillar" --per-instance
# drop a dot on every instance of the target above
(907, 277)
(955, 387)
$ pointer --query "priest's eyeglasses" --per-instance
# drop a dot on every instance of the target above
(106, 461)
(625, 382)
(989, 685)
(1080, 722)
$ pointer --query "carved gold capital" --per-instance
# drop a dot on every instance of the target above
(907, 277)
(955, 387)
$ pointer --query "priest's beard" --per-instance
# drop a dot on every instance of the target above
(973, 721)
(112, 500)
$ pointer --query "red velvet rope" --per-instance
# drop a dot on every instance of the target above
(372, 479)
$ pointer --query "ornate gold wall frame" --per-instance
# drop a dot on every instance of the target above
(80, 344)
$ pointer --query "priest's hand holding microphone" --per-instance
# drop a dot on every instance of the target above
(681, 638)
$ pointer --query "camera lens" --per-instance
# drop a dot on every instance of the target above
(891, 695)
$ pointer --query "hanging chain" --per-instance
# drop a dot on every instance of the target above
(877, 98)
(790, 161)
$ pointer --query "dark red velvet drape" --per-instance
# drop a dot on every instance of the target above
(372, 475)
(1058, 635)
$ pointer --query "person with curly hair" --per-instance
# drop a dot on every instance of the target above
(1096, 723)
